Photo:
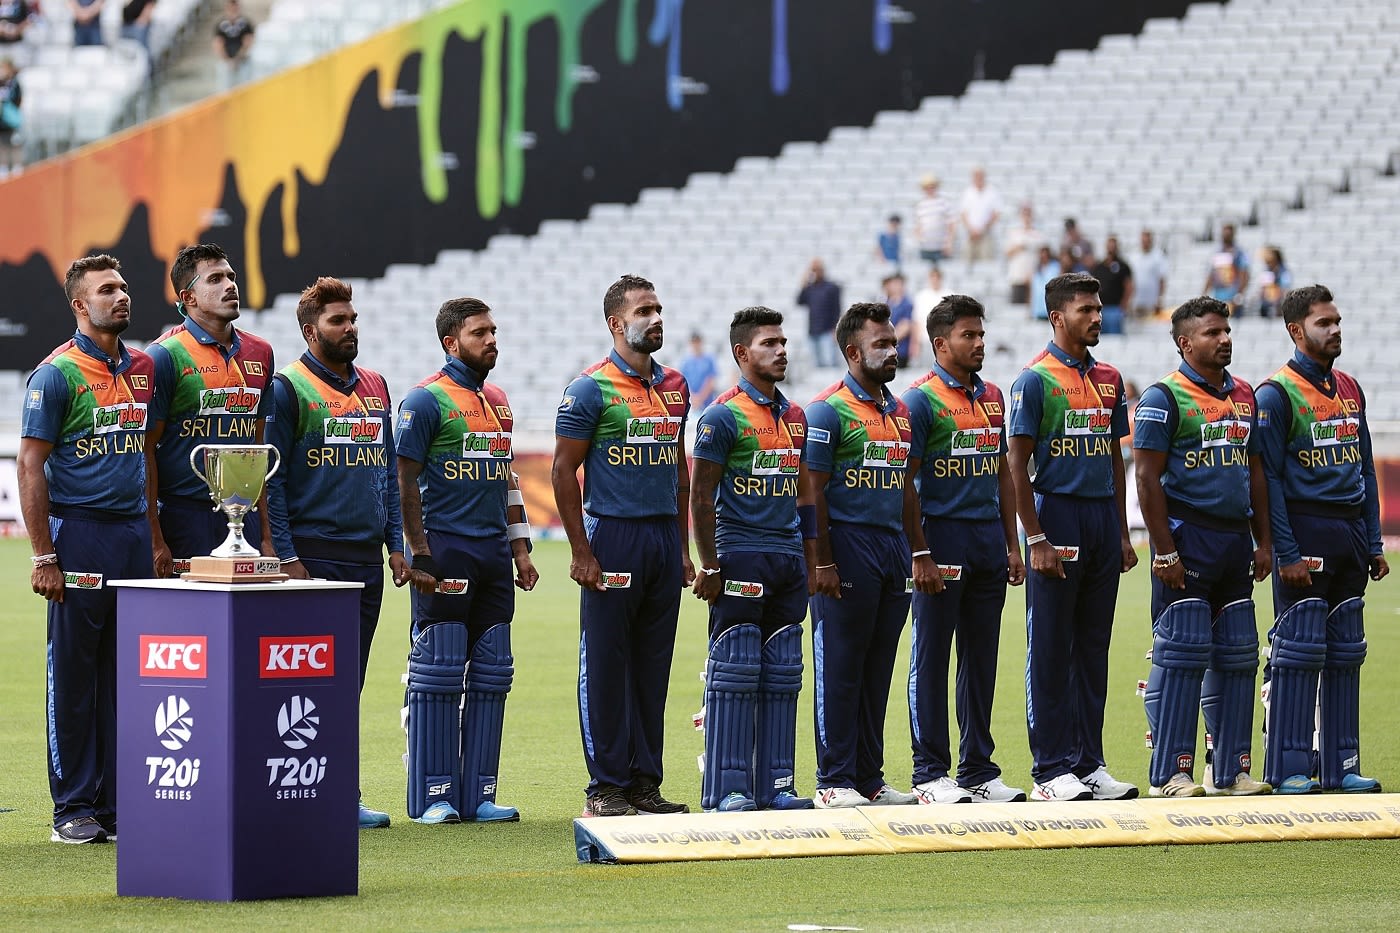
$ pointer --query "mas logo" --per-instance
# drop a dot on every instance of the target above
(339, 430)
(486, 445)
(128, 416)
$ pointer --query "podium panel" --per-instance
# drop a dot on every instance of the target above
(238, 739)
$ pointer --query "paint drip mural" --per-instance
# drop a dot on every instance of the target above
(483, 117)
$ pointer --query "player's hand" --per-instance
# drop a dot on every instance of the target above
(1295, 575)
(1173, 577)
(1045, 560)
(1263, 563)
(1015, 568)
(297, 571)
(927, 579)
(526, 576)
(399, 569)
(1130, 558)
(163, 562)
(824, 581)
(47, 581)
(707, 586)
(1379, 568)
(687, 570)
(584, 570)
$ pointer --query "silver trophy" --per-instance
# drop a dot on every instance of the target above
(235, 477)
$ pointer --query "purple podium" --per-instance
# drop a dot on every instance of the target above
(238, 739)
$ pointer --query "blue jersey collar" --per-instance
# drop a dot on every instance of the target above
(1309, 367)
(1227, 387)
(328, 377)
(657, 374)
(1070, 361)
(885, 405)
(779, 401)
(202, 335)
(86, 344)
(979, 387)
(463, 375)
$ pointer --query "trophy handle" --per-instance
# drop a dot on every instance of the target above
(193, 454)
(276, 458)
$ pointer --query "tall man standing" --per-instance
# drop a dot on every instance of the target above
(857, 447)
(966, 553)
(211, 388)
(623, 421)
(464, 518)
(1067, 409)
(1201, 485)
(333, 506)
(755, 515)
(1324, 510)
(82, 486)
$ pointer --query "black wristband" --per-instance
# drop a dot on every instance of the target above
(425, 563)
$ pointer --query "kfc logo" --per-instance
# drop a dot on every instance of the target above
(183, 656)
(296, 656)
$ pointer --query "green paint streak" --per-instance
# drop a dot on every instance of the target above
(500, 160)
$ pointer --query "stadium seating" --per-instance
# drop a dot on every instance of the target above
(297, 31)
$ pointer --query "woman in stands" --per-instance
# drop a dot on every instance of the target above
(11, 154)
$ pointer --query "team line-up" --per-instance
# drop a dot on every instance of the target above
(848, 511)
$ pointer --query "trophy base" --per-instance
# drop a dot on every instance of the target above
(235, 570)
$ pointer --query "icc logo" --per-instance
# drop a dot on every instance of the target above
(174, 723)
(297, 721)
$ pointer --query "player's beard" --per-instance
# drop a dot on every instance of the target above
(640, 339)
(1322, 349)
(340, 352)
(111, 324)
(482, 364)
(881, 370)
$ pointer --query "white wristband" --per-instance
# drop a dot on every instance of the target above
(924, 553)
(710, 571)
(517, 531)
(1036, 539)
(515, 497)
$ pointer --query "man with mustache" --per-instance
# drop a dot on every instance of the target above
(464, 520)
(1067, 409)
(1201, 486)
(755, 525)
(82, 485)
(857, 451)
(333, 506)
(623, 421)
(211, 388)
(1324, 510)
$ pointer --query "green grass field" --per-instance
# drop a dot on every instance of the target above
(525, 875)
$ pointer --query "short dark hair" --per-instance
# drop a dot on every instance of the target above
(456, 310)
(82, 267)
(748, 320)
(1298, 302)
(1063, 288)
(946, 313)
(314, 298)
(182, 271)
(854, 318)
(1196, 308)
(616, 295)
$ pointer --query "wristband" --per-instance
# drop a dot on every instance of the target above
(44, 560)
(710, 571)
(515, 497)
(425, 563)
(517, 531)
(290, 560)
(826, 566)
(1036, 539)
(807, 519)
(1166, 560)
(924, 553)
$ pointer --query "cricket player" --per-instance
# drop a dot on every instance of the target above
(1324, 512)
(1201, 485)
(754, 514)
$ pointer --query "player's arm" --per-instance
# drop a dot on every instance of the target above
(925, 572)
(1272, 427)
(158, 411)
(823, 576)
(260, 437)
(1006, 503)
(423, 574)
(1259, 518)
(704, 483)
(399, 568)
(568, 501)
(518, 531)
(1371, 505)
(683, 510)
(1155, 422)
(279, 430)
(1022, 425)
(46, 579)
(1121, 429)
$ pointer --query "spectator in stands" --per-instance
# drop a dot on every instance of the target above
(926, 298)
(11, 97)
(934, 223)
(1069, 261)
(233, 41)
(136, 22)
(1075, 241)
(14, 20)
(888, 244)
(902, 317)
(1274, 281)
(1115, 286)
(1228, 278)
(979, 211)
(1023, 245)
(701, 374)
(87, 21)
(1046, 268)
(823, 300)
(1149, 277)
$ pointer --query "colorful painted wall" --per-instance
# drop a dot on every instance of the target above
(491, 116)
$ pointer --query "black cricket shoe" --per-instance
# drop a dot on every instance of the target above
(78, 831)
(647, 799)
(608, 801)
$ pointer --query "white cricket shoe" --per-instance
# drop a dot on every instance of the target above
(996, 791)
(835, 798)
(1064, 787)
(887, 796)
(1178, 785)
(1243, 786)
(941, 790)
(1105, 787)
